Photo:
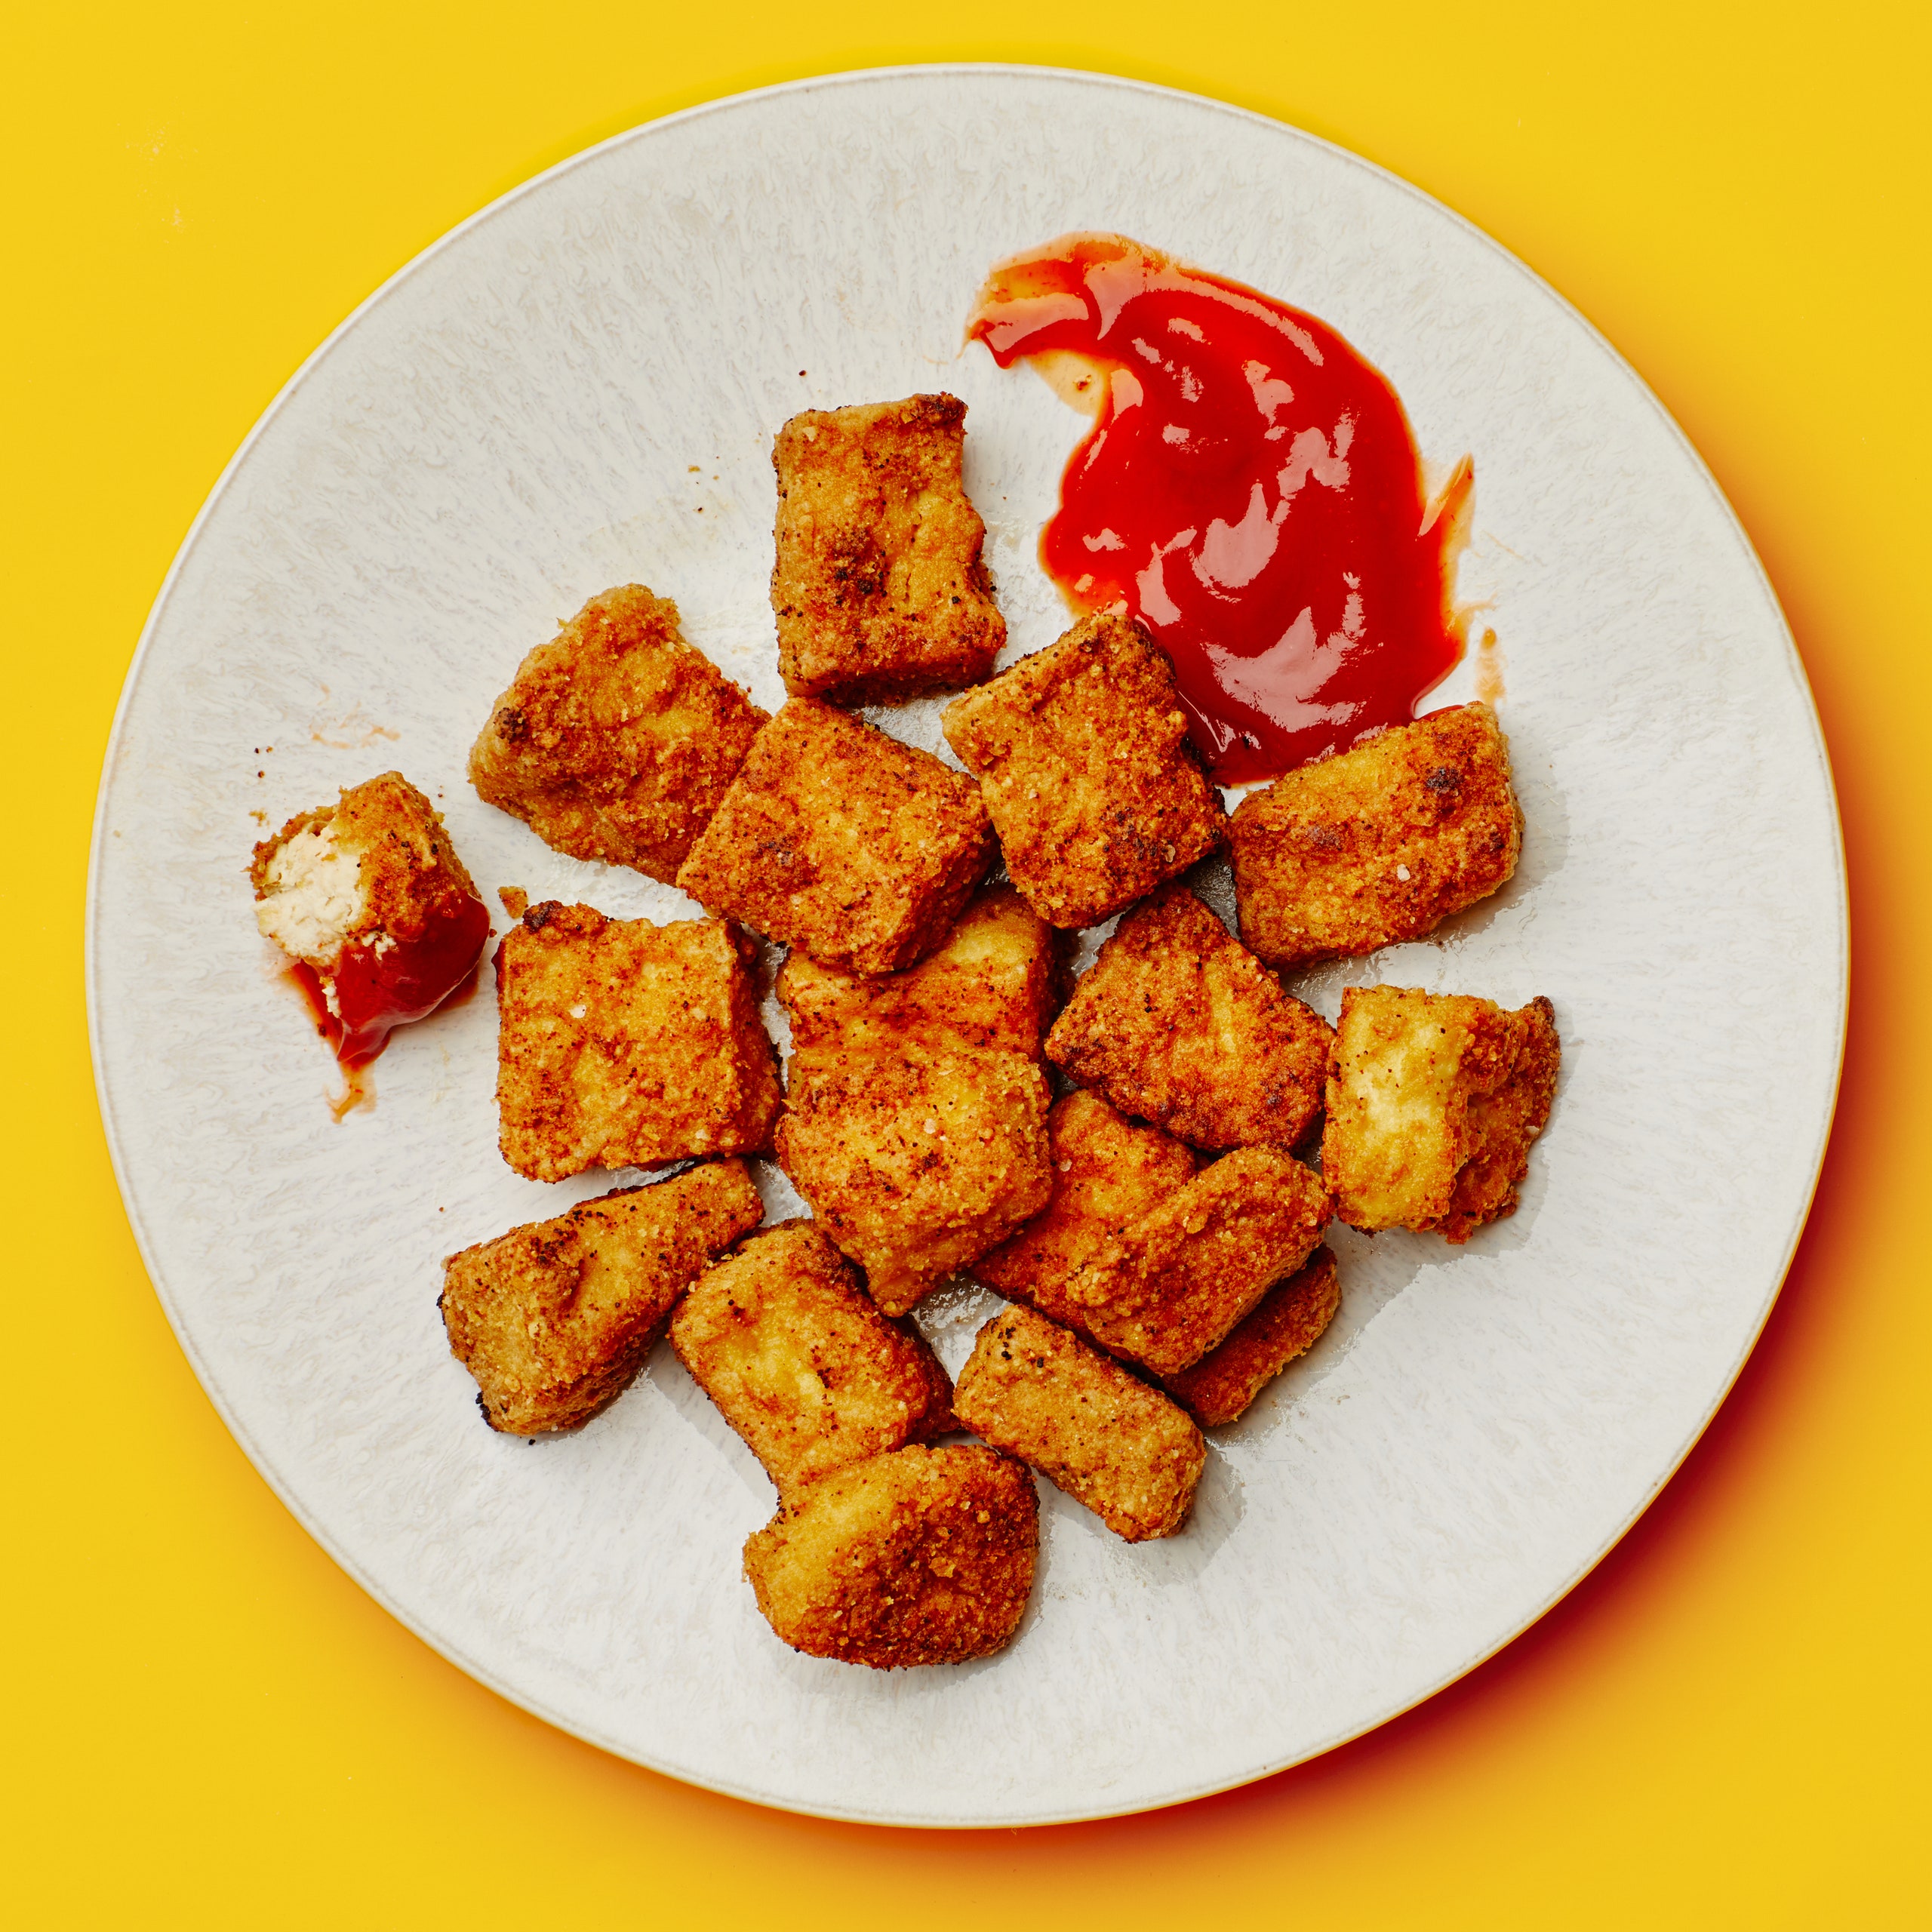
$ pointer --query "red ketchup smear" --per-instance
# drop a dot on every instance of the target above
(376, 992)
(1250, 489)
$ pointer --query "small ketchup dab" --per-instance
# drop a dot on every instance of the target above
(377, 992)
(1250, 489)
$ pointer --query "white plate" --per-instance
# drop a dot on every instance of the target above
(542, 406)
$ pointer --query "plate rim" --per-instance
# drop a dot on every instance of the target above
(138, 665)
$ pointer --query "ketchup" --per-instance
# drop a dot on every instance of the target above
(1250, 489)
(377, 992)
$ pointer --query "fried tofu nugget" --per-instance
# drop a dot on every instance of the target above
(879, 587)
(800, 1361)
(843, 842)
(1123, 1449)
(368, 899)
(616, 740)
(621, 1043)
(992, 983)
(1179, 1024)
(1108, 1172)
(1378, 844)
(1433, 1101)
(921, 1555)
(378, 861)
(553, 1319)
(1081, 754)
(1287, 1321)
(916, 1161)
(1180, 1278)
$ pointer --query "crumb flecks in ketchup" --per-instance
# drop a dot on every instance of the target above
(358, 1093)
(369, 992)
(1489, 669)
(1250, 490)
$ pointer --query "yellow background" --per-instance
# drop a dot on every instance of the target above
(207, 1724)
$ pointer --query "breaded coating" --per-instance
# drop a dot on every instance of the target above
(1433, 1101)
(781, 1335)
(1378, 844)
(992, 983)
(1082, 756)
(1178, 1024)
(1123, 1449)
(917, 1161)
(617, 740)
(879, 587)
(921, 1555)
(1107, 1173)
(621, 1044)
(1287, 1321)
(843, 842)
(1180, 1278)
(553, 1319)
(380, 918)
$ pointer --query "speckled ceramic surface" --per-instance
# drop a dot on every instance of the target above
(578, 388)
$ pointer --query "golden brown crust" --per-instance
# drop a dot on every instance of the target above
(1181, 1277)
(1433, 1101)
(624, 1043)
(879, 587)
(553, 1319)
(915, 1160)
(800, 1361)
(617, 739)
(1123, 1449)
(1287, 1321)
(920, 1556)
(992, 983)
(1378, 844)
(1108, 1172)
(843, 842)
(409, 873)
(1178, 1024)
(1081, 754)
(1501, 1122)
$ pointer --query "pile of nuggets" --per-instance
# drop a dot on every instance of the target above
(1155, 1230)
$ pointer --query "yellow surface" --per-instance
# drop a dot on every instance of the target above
(207, 1724)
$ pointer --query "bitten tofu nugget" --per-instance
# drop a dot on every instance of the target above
(843, 842)
(1287, 1321)
(1433, 1101)
(922, 1556)
(1178, 1024)
(376, 912)
(879, 588)
(1081, 754)
(800, 1362)
(617, 739)
(1179, 1279)
(1108, 1172)
(1378, 844)
(992, 983)
(1084, 1422)
(916, 1161)
(553, 1319)
(622, 1043)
